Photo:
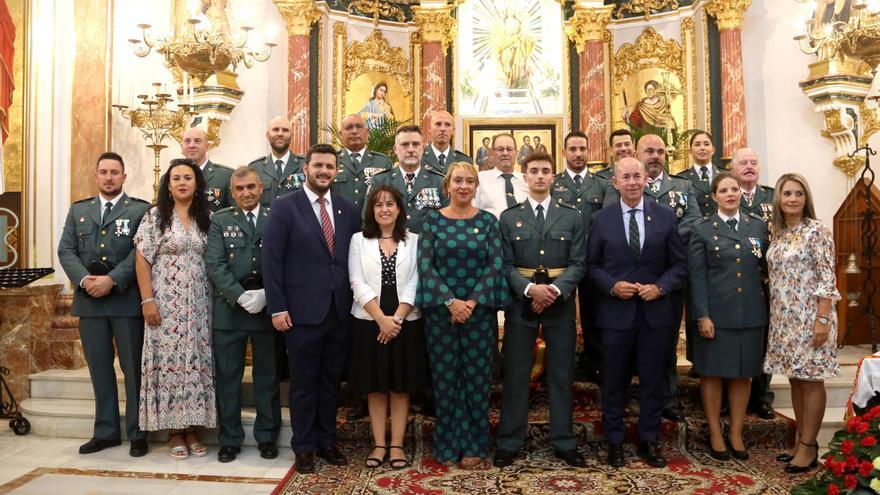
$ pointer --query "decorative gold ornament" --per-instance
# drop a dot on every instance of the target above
(435, 24)
(870, 122)
(375, 54)
(588, 25)
(299, 15)
(644, 7)
(849, 164)
(728, 13)
(650, 50)
(376, 9)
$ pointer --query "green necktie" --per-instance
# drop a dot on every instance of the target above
(704, 173)
(634, 242)
(540, 210)
(508, 189)
(442, 160)
(732, 223)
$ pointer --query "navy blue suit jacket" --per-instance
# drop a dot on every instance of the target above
(610, 259)
(299, 273)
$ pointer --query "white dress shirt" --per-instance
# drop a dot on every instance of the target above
(491, 196)
(437, 153)
(283, 159)
(699, 172)
(104, 201)
(546, 204)
(640, 220)
(572, 174)
(313, 200)
(256, 212)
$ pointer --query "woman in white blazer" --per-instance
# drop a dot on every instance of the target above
(388, 358)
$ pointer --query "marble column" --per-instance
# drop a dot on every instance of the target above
(586, 29)
(437, 29)
(299, 16)
(26, 316)
(729, 16)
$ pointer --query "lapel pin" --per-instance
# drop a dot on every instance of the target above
(339, 212)
(82, 219)
(648, 218)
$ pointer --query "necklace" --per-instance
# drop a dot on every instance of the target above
(386, 237)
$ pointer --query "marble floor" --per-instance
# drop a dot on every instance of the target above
(36, 465)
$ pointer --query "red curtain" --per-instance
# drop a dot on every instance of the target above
(7, 52)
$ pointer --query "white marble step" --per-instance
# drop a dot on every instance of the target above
(837, 389)
(74, 418)
(831, 422)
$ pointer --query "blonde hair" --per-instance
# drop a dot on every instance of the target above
(777, 219)
(462, 166)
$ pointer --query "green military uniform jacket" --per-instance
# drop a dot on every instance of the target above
(217, 185)
(233, 255)
(725, 271)
(87, 238)
(761, 204)
(427, 193)
(353, 180)
(674, 192)
(562, 243)
(606, 173)
(452, 156)
(703, 188)
(292, 177)
(587, 200)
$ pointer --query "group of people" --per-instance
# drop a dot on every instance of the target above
(392, 277)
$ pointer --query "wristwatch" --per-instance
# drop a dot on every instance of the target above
(448, 302)
(824, 320)
(662, 292)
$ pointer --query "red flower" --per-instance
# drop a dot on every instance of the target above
(838, 468)
(861, 428)
(852, 422)
(865, 468)
(875, 411)
(852, 462)
(850, 482)
(833, 490)
(846, 447)
(869, 441)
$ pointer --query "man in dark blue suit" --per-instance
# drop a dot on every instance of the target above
(636, 259)
(305, 274)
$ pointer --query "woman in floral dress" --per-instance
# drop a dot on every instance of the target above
(460, 289)
(177, 383)
(802, 342)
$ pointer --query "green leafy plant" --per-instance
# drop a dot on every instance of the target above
(677, 142)
(381, 137)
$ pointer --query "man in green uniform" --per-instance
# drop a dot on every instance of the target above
(702, 172)
(756, 200)
(194, 146)
(281, 170)
(233, 262)
(620, 144)
(421, 186)
(97, 254)
(585, 191)
(357, 164)
(544, 260)
(439, 154)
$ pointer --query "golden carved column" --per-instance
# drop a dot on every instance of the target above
(586, 29)
(729, 15)
(437, 29)
(299, 16)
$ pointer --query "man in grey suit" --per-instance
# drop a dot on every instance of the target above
(281, 170)
(544, 260)
(97, 254)
(194, 146)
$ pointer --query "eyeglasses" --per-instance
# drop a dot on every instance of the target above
(504, 150)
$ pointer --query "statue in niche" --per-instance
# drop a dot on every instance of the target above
(377, 108)
(514, 44)
(215, 11)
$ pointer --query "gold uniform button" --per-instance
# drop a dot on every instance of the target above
(561, 238)
(102, 244)
(103, 232)
(355, 191)
(736, 246)
(103, 258)
(517, 238)
(356, 179)
(253, 259)
(739, 275)
(739, 289)
(254, 272)
(579, 200)
(738, 260)
(541, 252)
(409, 217)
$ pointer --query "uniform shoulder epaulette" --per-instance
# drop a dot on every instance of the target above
(703, 221)
(514, 207)
(84, 200)
(384, 171)
(258, 161)
(766, 188)
(461, 156)
(138, 200)
(680, 180)
(757, 217)
(221, 166)
(379, 153)
(433, 170)
(227, 209)
(567, 205)
(681, 175)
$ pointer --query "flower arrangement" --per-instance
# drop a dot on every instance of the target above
(852, 464)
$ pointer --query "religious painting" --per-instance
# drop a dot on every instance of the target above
(375, 81)
(531, 135)
(651, 101)
(509, 55)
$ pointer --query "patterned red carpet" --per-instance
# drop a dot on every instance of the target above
(690, 469)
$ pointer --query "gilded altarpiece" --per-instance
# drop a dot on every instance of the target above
(15, 151)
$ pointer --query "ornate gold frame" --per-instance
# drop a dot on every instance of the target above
(358, 57)
(556, 122)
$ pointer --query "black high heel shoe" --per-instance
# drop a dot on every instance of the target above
(784, 457)
(793, 469)
(718, 455)
(742, 455)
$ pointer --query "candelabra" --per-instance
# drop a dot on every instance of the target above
(202, 50)
(157, 123)
(855, 34)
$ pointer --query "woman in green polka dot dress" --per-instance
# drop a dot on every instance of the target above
(461, 288)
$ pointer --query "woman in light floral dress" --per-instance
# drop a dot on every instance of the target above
(802, 342)
(177, 371)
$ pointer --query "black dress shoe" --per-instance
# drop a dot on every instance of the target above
(97, 445)
(305, 462)
(719, 455)
(571, 457)
(227, 453)
(503, 458)
(138, 448)
(794, 469)
(673, 414)
(741, 455)
(333, 456)
(650, 453)
(764, 411)
(615, 455)
(360, 411)
(268, 450)
(784, 457)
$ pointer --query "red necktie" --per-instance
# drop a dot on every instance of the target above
(327, 226)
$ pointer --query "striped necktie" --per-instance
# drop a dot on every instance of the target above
(327, 226)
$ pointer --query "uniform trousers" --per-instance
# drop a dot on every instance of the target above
(98, 334)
